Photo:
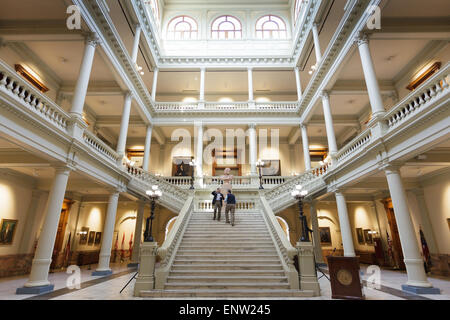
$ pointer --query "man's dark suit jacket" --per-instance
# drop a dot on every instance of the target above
(214, 193)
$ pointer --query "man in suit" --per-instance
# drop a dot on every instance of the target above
(217, 203)
(230, 207)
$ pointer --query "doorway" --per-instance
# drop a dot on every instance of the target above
(396, 244)
(58, 256)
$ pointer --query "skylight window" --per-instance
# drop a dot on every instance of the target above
(226, 27)
(271, 27)
(182, 28)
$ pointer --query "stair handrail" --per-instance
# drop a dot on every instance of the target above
(284, 248)
(167, 251)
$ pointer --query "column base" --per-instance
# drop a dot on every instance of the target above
(35, 290)
(102, 273)
(132, 265)
(420, 290)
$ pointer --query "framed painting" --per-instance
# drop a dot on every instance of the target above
(325, 236)
(271, 168)
(91, 238)
(360, 235)
(368, 236)
(98, 238)
(7, 230)
(181, 167)
(136, 156)
(84, 235)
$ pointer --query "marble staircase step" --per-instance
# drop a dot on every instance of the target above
(227, 285)
(226, 293)
(207, 272)
(246, 279)
(177, 266)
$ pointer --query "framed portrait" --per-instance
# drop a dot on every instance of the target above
(368, 236)
(360, 235)
(181, 167)
(7, 230)
(91, 238)
(98, 238)
(325, 235)
(271, 168)
(84, 235)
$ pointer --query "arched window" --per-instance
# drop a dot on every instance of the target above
(182, 28)
(270, 27)
(226, 27)
(298, 5)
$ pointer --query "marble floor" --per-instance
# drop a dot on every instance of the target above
(108, 288)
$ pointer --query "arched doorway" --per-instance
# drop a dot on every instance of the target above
(285, 226)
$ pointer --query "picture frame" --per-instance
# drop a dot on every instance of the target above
(271, 168)
(98, 238)
(136, 156)
(91, 238)
(325, 236)
(181, 167)
(368, 236)
(8, 229)
(360, 235)
(84, 235)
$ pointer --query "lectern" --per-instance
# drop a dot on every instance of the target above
(344, 278)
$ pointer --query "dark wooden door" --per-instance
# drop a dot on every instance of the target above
(397, 246)
(58, 248)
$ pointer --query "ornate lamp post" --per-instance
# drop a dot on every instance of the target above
(154, 194)
(259, 165)
(193, 163)
(299, 195)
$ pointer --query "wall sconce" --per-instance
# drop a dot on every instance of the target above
(31, 77)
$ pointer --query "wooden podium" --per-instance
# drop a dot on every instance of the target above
(344, 278)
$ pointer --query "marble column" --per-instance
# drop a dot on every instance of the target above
(155, 83)
(425, 221)
(344, 223)
(318, 52)
(298, 83)
(81, 87)
(316, 233)
(137, 233)
(137, 37)
(199, 153)
(373, 89)
(122, 141)
(38, 279)
(250, 84)
(103, 268)
(332, 145)
(27, 235)
(202, 84)
(147, 147)
(252, 148)
(305, 143)
(417, 279)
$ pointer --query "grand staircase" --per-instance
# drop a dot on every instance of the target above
(215, 259)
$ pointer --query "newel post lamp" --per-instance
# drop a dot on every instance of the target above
(193, 164)
(299, 195)
(260, 165)
(154, 194)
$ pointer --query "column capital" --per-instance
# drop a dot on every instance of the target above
(315, 25)
(63, 169)
(203, 69)
(137, 26)
(250, 68)
(127, 94)
(150, 126)
(92, 39)
(325, 94)
(155, 69)
(391, 167)
(252, 125)
(362, 38)
(303, 126)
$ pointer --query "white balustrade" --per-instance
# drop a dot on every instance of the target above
(178, 181)
(433, 88)
(99, 146)
(277, 106)
(15, 86)
(354, 146)
(237, 181)
(245, 205)
(225, 106)
(275, 180)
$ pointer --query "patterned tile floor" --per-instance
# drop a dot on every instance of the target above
(107, 288)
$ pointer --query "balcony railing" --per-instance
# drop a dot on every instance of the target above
(173, 107)
(36, 102)
(433, 88)
(99, 146)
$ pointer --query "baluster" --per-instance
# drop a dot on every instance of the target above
(10, 85)
(3, 82)
(432, 92)
(22, 93)
(28, 98)
(427, 97)
(17, 89)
